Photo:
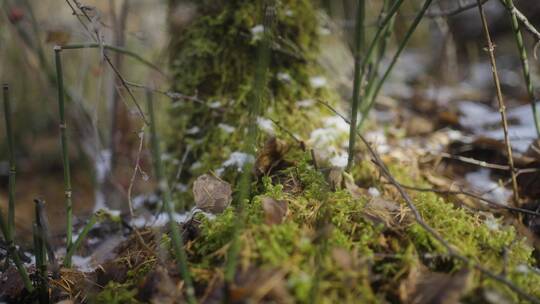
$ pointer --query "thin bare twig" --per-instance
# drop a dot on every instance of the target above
(136, 170)
(473, 195)
(502, 108)
(483, 164)
(98, 39)
(171, 94)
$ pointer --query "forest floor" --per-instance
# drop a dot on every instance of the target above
(314, 231)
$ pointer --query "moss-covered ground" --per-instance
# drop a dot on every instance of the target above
(334, 247)
(336, 242)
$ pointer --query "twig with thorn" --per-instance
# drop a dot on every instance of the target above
(502, 108)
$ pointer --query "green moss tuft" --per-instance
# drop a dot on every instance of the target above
(215, 58)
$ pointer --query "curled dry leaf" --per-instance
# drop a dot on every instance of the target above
(271, 156)
(211, 194)
(275, 211)
(422, 286)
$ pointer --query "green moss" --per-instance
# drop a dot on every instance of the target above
(496, 248)
(215, 58)
(296, 248)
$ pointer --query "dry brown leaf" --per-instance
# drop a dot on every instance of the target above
(275, 211)
(211, 194)
(270, 156)
(423, 286)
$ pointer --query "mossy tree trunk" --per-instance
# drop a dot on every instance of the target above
(213, 57)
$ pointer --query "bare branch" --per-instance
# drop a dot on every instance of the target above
(502, 107)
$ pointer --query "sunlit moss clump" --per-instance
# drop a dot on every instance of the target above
(329, 248)
(213, 57)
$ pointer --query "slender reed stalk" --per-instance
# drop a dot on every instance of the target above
(7, 228)
(244, 184)
(502, 107)
(379, 34)
(358, 82)
(12, 166)
(387, 32)
(370, 100)
(75, 246)
(176, 236)
(65, 152)
(524, 63)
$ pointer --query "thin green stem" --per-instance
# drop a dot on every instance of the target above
(378, 36)
(176, 236)
(154, 140)
(524, 62)
(359, 44)
(77, 244)
(370, 100)
(244, 184)
(12, 166)
(382, 50)
(65, 152)
(7, 228)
